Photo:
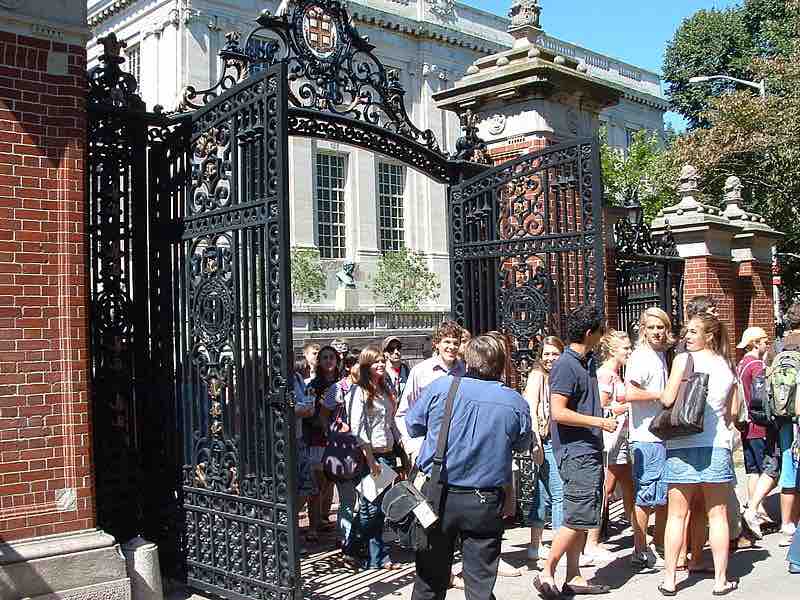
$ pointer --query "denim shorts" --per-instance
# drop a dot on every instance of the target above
(582, 477)
(699, 465)
(755, 450)
(648, 473)
(788, 480)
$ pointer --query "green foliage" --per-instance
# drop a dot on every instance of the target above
(725, 42)
(308, 278)
(403, 281)
(646, 172)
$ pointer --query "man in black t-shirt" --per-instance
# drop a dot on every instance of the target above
(577, 426)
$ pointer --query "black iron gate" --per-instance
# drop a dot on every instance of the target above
(235, 353)
(526, 247)
(649, 273)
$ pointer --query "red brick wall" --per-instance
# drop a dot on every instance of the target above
(44, 419)
(715, 277)
(753, 298)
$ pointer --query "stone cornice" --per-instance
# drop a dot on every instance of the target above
(108, 11)
(645, 99)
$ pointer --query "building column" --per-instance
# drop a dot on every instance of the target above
(48, 541)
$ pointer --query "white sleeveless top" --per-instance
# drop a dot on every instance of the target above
(716, 433)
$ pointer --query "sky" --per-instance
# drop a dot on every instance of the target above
(634, 31)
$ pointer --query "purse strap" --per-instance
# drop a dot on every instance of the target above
(435, 495)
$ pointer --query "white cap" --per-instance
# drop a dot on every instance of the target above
(751, 334)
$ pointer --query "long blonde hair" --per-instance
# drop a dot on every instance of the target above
(659, 314)
(368, 357)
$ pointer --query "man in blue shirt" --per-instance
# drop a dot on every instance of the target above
(577, 426)
(489, 421)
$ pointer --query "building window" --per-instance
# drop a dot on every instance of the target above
(134, 61)
(391, 188)
(630, 134)
(330, 205)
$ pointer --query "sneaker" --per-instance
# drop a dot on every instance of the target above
(538, 553)
(787, 533)
(752, 522)
(654, 559)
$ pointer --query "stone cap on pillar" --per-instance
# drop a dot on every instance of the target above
(755, 239)
(699, 229)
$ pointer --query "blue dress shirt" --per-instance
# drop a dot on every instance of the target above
(489, 422)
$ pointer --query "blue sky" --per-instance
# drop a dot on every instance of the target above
(635, 31)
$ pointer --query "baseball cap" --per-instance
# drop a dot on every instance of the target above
(750, 335)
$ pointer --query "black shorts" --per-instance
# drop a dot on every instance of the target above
(771, 465)
(755, 451)
(582, 477)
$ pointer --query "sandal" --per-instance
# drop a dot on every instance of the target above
(390, 566)
(731, 586)
(546, 590)
(665, 592)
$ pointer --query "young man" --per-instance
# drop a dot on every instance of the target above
(446, 341)
(310, 352)
(762, 472)
(646, 376)
(476, 473)
(578, 444)
(396, 370)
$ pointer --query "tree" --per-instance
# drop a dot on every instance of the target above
(724, 42)
(403, 281)
(646, 172)
(308, 278)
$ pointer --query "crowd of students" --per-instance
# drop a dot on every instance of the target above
(590, 404)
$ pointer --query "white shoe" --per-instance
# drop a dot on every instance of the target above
(752, 522)
(506, 570)
(539, 553)
(787, 534)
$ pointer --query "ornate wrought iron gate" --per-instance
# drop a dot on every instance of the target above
(235, 353)
(649, 273)
(526, 247)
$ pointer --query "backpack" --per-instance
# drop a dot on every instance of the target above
(759, 401)
(783, 378)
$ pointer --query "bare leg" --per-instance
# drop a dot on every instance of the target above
(763, 487)
(624, 476)
(680, 497)
(716, 497)
(697, 531)
(661, 523)
(573, 564)
(787, 507)
(642, 517)
(567, 541)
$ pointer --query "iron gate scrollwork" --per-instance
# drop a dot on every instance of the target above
(526, 246)
(236, 348)
(649, 273)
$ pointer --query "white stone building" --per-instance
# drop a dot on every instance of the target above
(340, 193)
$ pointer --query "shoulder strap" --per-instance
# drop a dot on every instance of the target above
(435, 495)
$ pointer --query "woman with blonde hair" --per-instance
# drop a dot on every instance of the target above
(372, 422)
(615, 350)
(702, 463)
(548, 492)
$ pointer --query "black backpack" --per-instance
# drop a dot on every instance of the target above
(759, 401)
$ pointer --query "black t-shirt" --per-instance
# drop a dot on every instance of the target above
(575, 377)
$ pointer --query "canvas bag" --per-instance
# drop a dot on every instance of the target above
(687, 415)
(343, 458)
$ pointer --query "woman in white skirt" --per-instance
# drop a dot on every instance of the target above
(702, 463)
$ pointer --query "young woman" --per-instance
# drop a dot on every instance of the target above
(549, 491)
(316, 427)
(372, 421)
(702, 463)
(615, 350)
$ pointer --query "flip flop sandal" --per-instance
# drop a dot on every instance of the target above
(546, 590)
(591, 589)
(732, 586)
(665, 592)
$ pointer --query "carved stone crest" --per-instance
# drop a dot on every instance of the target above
(497, 124)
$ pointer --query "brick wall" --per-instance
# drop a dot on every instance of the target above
(715, 277)
(45, 471)
(753, 298)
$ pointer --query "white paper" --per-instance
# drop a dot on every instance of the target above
(425, 514)
(371, 487)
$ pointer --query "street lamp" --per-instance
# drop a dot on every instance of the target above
(761, 86)
(633, 209)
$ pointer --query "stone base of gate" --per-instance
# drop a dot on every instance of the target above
(86, 565)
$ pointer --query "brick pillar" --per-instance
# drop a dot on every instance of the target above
(46, 491)
(704, 237)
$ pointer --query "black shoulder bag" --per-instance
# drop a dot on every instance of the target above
(400, 501)
(686, 416)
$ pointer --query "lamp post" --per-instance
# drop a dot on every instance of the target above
(761, 86)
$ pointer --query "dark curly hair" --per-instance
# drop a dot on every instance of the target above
(793, 316)
(582, 319)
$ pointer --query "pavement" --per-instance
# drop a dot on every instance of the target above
(761, 570)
